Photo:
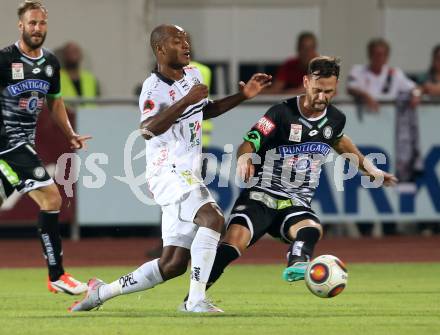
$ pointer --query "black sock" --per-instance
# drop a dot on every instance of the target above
(226, 253)
(301, 250)
(49, 232)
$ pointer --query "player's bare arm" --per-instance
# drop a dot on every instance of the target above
(346, 146)
(252, 88)
(161, 122)
(245, 168)
(59, 115)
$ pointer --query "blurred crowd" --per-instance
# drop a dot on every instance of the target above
(368, 84)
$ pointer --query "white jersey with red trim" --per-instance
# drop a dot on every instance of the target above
(176, 152)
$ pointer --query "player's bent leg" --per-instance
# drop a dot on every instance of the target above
(49, 200)
(304, 236)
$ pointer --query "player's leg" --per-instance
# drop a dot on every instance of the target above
(210, 221)
(248, 222)
(304, 231)
(25, 172)
(172, 263)
(49, 200)
(235, 242)
(177, 237)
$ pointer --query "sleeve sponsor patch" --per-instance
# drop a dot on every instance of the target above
(254, 137)
(148, 106)
(265, 125)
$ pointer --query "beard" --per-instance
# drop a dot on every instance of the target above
(27, 38)
(316, 105)
(319, 107)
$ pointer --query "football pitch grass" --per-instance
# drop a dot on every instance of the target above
(380, 299)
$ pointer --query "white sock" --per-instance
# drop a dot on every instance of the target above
(203, 251)
(144, 277)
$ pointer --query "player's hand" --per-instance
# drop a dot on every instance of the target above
(196, 93)
(388, 178)
(245, 168)
(255, 85)
(79, 141)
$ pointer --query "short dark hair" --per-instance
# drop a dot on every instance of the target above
(29, 5)
(303, 36)
(376, 42)
(324, 67)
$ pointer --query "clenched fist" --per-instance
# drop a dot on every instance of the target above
(196, 93)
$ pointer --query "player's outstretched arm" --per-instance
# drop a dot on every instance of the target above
(59, 115)
(247, 91)
(346, 146)
(162, 121)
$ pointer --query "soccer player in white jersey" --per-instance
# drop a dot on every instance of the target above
(173, 104)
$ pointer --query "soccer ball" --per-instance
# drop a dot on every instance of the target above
(326, 276)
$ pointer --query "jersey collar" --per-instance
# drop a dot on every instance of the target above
(166, 80)
(32, 58)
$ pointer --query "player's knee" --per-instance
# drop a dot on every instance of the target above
(173, 268)
(238, 236)
(52, 202)
(210, 216)
(307, 226)
(215, 222)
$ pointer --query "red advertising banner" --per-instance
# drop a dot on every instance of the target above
(51, 144)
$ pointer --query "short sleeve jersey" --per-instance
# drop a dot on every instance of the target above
(292, 148)
(385, 86)
(180, 146)
(24, 84)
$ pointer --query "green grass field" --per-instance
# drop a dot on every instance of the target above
(380, 299)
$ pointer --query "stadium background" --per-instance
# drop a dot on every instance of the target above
(231, 38)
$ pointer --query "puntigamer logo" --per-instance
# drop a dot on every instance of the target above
(305, 148)
(29, 85)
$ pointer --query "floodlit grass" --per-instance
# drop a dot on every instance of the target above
(380, 299)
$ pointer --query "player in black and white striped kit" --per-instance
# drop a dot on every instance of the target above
(292, 140)
(29, 74)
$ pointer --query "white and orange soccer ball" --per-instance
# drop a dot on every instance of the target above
(326, 276)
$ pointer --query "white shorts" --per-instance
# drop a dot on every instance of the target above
(178, 227)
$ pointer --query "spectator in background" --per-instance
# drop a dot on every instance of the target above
(289, 77)
(430, 81)
(75, 81)
(377, 81)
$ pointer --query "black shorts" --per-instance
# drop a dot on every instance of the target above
(260, 219)
(21, 169)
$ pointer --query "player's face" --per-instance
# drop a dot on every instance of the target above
(177, 48)
(33, 28)
(319, 92)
